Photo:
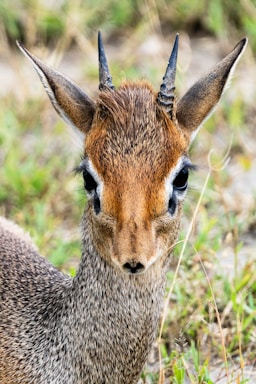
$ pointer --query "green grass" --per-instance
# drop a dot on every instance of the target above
(36, 190)
(210, 318)
(69, 22)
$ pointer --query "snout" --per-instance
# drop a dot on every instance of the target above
(134, 245)
(133, 267)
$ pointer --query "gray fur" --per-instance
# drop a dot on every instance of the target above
(96, 328)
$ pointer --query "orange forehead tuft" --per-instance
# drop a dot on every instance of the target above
(131, 132)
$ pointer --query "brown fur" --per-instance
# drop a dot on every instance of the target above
(99, 327)
(133, 153)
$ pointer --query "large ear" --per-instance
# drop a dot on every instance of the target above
(72, 104)
(198, 103)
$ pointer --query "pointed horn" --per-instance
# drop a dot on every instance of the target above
(104, 75)
(166, 96)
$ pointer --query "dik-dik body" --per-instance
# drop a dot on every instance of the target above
(99, 326)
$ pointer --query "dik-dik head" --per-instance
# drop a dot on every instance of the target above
(136, 165)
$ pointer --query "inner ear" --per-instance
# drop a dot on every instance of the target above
(68, 99)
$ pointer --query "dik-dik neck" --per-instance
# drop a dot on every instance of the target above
(104, 277)
(117, 316)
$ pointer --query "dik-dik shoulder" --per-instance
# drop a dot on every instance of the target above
(12, 233)
(20, 260)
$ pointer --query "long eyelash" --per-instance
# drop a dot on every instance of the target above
(81, 167)
(191, 167)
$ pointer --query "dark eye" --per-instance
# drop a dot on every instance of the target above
(89, 182)
(180, 182)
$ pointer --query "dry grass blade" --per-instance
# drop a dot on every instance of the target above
(185, 241)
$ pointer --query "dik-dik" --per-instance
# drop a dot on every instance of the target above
(99, 326)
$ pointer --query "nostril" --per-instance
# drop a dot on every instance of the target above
(133, 267)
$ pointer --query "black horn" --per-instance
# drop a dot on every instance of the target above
(166, 96)
(104, 75)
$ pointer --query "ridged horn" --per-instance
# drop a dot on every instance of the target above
(104, 75)
(166, 96)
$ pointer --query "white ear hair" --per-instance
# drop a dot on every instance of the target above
(71, 103)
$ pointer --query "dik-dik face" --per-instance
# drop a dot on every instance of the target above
(136, 164)
(136, 172)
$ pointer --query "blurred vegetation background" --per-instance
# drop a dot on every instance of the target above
(39, 191)
(48, 21)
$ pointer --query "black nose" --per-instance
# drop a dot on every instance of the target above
(133, 267)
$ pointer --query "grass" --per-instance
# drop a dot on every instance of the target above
(210, 314)
(218, 324)
(68, 22)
